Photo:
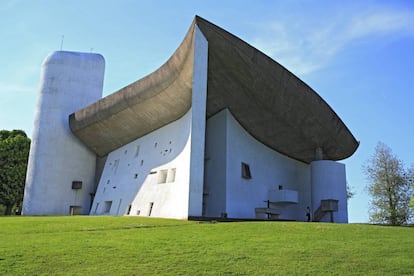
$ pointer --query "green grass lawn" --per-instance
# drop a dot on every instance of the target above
(145, 246)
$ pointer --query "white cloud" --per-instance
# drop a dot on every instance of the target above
(305, 47)
(6, 88)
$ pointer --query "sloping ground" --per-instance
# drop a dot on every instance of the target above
(145, 246)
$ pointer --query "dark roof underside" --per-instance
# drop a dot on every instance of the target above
(272, 104)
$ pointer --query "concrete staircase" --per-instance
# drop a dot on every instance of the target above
(328, 206)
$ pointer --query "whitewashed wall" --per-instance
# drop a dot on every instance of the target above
(198, 124)
(69, 81)
(329, 182)
(214, 203)
(129, 181)
(176, 149)
(269, 169)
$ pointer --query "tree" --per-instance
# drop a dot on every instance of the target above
(349, 191)
(389, 186)
(411, 173)
(14, 153)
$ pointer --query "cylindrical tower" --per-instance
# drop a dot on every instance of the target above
(329, 189)
(61, 170)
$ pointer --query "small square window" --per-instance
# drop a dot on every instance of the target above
(76, 185)
(245, 170)
(162, 176)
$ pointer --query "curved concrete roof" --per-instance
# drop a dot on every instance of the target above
(271, 103)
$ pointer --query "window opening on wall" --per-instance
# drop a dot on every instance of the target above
(126, 151)
(75, 210)
(115, 167)
(162, 176)
(142, 162)
(108, 181)
(171, 175)
(155, 145)
(246, 174)
(150, 208)
(135, 175)
(136, 151)
(119, 206)
(96, 208)
(129, 209)
(76, 185)
(152, 172)
(107, 207)
(138, 212)
(280, 187)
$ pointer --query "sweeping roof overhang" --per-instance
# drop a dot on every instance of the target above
(271, 103)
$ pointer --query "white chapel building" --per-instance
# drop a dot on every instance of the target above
(219, 131)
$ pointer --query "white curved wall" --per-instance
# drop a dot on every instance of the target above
(227, 146)
(329, 182)
(69, 81)
(174, 152)
(129, 183)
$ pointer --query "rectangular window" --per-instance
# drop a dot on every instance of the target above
(96, 208)
(150, 208)
(75, 210)
(107, 207)
(129, 209)
(245, 170)
(115, 166)
(76, 185)
(171, 175)
(162, 176)
(136, 150)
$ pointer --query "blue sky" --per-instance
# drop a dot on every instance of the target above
(359, 56)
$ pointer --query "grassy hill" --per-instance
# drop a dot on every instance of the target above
(146, 246)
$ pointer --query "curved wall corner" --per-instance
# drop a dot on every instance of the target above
(329, 182)
(198, 124)
(69, 81)
(228, 192)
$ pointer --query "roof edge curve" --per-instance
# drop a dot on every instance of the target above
(142, 106)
